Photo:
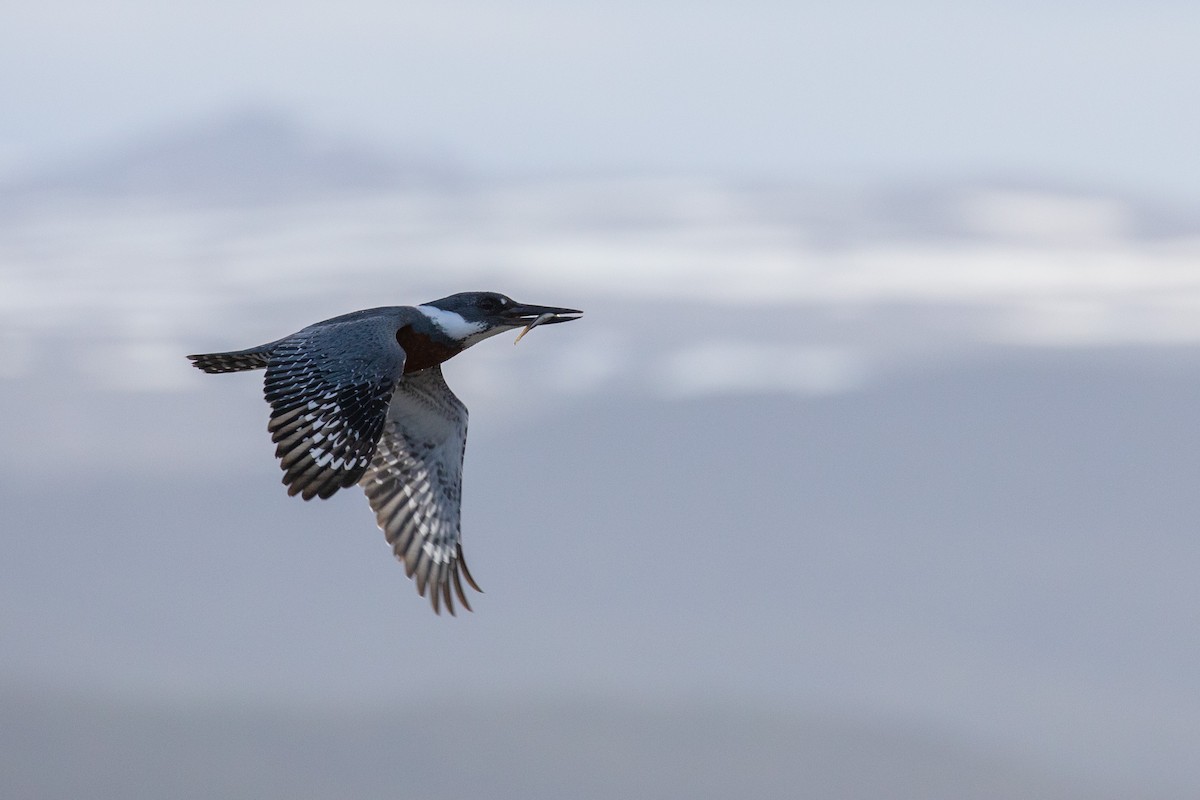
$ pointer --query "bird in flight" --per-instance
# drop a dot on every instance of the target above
(360, 398)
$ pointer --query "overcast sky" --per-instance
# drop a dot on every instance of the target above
(1101, 94)
(961, 424)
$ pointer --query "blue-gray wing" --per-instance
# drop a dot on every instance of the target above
(414, 484)
(329, 387)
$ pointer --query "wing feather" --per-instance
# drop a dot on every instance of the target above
(329, 387)
(414, 484)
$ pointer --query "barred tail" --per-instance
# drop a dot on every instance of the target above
(236, 361)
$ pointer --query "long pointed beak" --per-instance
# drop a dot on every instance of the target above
(519, 314)
(538, 315)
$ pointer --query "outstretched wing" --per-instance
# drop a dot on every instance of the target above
(329, 387)
(414, 484)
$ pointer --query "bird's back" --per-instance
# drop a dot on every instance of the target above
(341, 333)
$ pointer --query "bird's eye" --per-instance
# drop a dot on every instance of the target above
(490, 303)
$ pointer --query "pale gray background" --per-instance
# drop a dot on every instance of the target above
(870, 471)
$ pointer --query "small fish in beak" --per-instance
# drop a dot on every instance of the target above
(538, 321)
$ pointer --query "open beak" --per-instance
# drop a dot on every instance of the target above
(533, 316)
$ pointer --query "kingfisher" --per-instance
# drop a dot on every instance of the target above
(360, 398)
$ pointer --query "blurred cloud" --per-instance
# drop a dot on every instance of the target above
(1047, 218)
(742, 367)
(775, 284)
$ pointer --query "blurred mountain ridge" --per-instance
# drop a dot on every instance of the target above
(514, 748)
(245, 156)
(267, 156)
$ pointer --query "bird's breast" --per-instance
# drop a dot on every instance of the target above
(422, 351)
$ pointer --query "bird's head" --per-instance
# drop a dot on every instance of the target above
(470, 317)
